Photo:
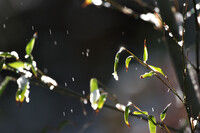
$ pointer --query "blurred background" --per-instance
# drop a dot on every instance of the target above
(75, 44)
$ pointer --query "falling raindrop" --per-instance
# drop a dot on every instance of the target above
(82, 53)
(73, 79)
(63, 113)
(65, 84)
(45, 70)
(71, 110)
(136, 68)
(85, 101)
(67, 32)
(87, 52)
(152, 109)
(32, 27)
(55, 42)
(4, 26)
(83, 92)
(50, 32)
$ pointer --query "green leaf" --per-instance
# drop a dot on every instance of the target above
(149, 74)
(145, 56)
(157, 69)
(22, 92)
(12, 54)
(101, 100)
(140, 113)
(30, 45)
(163, 114)
(152, 124)
(17, 64)
(126, 114)
(4, 84)
(93, 84)
(2, 63)
(116, 63)
(128, 59)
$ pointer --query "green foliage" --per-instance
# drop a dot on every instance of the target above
(4, 84)
(157, 69)
(12, 54)
(30, 45)
(93, 85)
(163, 114)
(2, 61)
(140, 113)
(145, 55)
(126, 114)
(101, 100)
(17, 64)
(152, 124)
(128, 59)
(149, 74)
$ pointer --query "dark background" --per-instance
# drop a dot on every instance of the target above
(66, 31)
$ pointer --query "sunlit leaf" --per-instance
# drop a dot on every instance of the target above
(94, 93)
(12, 54)
(163, 114)
(149, 74)
(22, 92)
(4, 84)
(2, 61)
(152, 122)
(145, 56)
(93, 85)
(116, 63)
(140, 113)
(30, 45)
(17, 64)
(128, 59)
(126, 114)
(101, 100)
(157, 69)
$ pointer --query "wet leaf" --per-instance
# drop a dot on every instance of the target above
(4, 84)
(102, 100)
(140, 113)
(94, 93)
(30, 45)
(22, 92)
(152, 122)
(157, 69)
(126, 114)
(145, 56)
(163, 114)
(149, 74)
(128, 59)
(2, 63)
(116, 63)
(12, 54)
(17, 64)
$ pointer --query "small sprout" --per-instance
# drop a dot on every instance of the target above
(152, 124)
(145, 56)
(94, 93)
(128, 59)
(126, 114)
(116, 63)
(22, 92)
(163, 114)
(149, 74)
(157, 69)
(102, 100)
(30, 45)
(4, 84)
(140, 113)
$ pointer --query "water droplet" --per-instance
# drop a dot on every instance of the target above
(63, 113)
(168, 90)
(32, 27)
(67, 32)
(87, 52)
(122, 33)
(107, 4)
(83, 92)
(152, 109)
(73, 79)
(4, 26)
(136, 68)
(65, 84)
(85, 101)
(170, 34)
(45, 70)
(50, 32)
(82, 53)
(55, 43)
(71, 110)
